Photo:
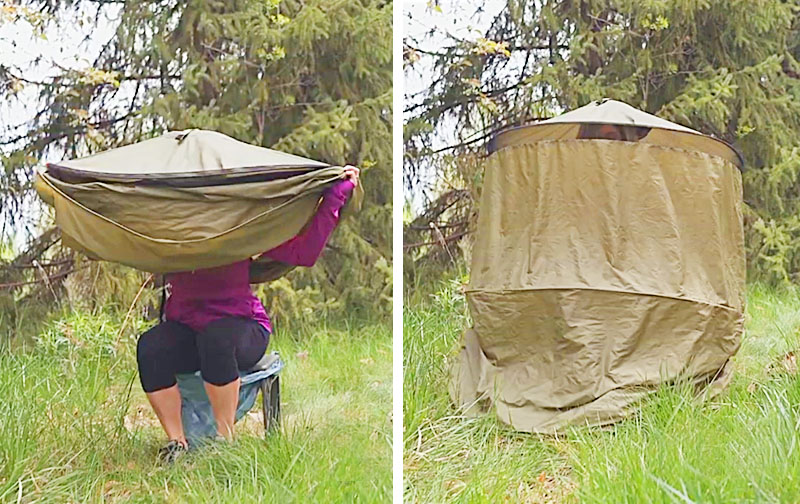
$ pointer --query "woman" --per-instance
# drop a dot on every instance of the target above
(216, 324)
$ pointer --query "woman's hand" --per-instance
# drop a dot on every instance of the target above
(351, 173)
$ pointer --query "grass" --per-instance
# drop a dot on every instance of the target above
(75, 426)
(740, 447)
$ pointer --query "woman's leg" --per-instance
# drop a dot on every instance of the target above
(226, 346)
(163, 351)
(167, 405)
(224, 400)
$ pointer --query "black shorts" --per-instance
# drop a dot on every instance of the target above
(219, 351)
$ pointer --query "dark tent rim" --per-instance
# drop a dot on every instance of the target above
(492, 145)
(225, 176)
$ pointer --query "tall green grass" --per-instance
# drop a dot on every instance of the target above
(75, 425)
(740, 447)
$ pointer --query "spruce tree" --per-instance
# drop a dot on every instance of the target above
(313, 78)
(726, 68)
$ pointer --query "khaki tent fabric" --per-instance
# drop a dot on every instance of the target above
(218, 207)
(600, 270)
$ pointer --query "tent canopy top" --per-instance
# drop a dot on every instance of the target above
(184, 153)
(609, 112)
(615, 112)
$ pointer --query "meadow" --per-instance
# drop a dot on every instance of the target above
(76, 426)
(741, 446)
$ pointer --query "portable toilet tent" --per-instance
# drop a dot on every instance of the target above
(601, 268)
(186, 200)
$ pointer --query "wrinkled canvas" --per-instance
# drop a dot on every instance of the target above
(600, 270)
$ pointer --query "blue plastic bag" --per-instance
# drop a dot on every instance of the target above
(198, 419)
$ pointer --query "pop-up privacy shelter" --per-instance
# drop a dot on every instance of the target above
(601, 268)
(186, 200)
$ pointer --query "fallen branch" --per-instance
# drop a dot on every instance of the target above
(44, 265)
(12, 285)
(440, 226)
(452, 237)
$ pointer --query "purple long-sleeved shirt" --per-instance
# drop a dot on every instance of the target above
(202, 296)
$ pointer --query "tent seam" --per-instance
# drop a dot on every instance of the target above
(618, 291)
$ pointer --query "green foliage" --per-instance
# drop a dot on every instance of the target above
(313, 78)
(726, 68)
(98, 286)
(78, 333)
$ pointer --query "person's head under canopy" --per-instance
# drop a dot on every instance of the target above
(612, 132)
